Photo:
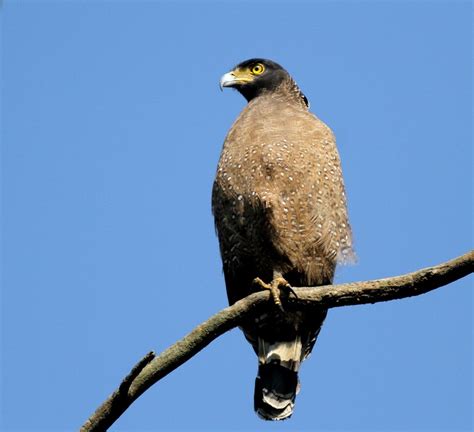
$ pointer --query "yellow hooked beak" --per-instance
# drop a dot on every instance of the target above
(236, 77)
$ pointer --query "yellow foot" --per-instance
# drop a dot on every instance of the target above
(276, 287)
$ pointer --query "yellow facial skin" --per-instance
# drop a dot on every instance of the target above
(242, 75)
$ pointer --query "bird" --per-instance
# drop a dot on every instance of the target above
(281, 218)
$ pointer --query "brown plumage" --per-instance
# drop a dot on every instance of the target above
(280, 211)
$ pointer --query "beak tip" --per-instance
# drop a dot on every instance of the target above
(226, 80)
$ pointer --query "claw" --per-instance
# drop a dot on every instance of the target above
(291, 291)
(276, 286)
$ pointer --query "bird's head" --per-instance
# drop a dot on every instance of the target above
(256, 76)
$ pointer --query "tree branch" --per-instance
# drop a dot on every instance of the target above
(151, 369)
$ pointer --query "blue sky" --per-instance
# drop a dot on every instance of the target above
(112, 124)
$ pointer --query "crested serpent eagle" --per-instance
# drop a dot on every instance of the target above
(281, 218)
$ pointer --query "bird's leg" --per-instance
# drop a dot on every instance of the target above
(273, 288)
(278, 285)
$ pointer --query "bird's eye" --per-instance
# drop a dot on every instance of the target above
(257, 69)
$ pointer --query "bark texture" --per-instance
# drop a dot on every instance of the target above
(151, 368)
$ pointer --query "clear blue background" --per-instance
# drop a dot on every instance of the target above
(112, 126)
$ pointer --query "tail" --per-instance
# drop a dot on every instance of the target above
(277, 385)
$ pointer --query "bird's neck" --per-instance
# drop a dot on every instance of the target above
(288, 90)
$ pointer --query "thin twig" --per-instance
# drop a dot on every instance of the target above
(116, 398)
(127, 381)
(151, 369)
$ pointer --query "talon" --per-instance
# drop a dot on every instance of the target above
(283, 283)
(292, 291)
(276, 286)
